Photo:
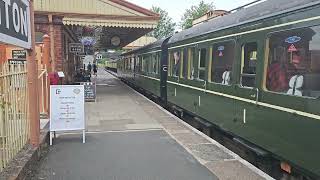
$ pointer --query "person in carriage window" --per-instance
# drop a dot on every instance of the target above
(277, 78)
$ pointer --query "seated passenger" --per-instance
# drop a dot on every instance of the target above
(277, 79)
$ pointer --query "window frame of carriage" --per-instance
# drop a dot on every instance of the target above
(242, 59)
(211, 50)
(190, 58)
(198, 69)
(266, 61)
(171, 63)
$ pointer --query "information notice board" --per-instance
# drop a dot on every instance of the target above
(67, 108)
(89, 91)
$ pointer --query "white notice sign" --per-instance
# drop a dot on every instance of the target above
(67, 108)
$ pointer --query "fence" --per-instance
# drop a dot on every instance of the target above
(43, 90)
(14, 126)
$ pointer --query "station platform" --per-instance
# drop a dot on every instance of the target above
(131, 138)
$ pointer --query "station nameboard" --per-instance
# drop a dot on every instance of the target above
(76, 48)
(19, 54)
(15, 25)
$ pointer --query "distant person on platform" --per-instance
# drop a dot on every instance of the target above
(95, 69)
(89, 67)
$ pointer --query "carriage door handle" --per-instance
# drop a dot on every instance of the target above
(205, 86)
(256, 95)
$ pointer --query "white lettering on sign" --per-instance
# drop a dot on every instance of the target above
(6, 5)
(15, 23)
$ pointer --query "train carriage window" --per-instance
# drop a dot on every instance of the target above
(191, 53)
(223, 56)
(158, 63)
(154, 63)
(249, 64)
(184, 73)
(143, 59)
(150, 64)
(176, 66)
(294, 62)
(170, 64)
(202, 63)
(137, 68)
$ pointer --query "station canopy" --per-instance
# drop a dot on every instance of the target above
(121, 22)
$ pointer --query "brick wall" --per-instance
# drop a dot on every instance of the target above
(58, 47)
(62, 62)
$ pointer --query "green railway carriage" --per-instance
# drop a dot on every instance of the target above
(141, 68)
(111, 65)
(254, 73)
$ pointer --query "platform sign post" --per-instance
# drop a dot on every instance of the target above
(76, 48)
(67, 109)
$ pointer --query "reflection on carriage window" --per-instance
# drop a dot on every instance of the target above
(294, 62)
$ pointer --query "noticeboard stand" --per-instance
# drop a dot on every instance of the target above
(67, 110)
(90, 91)
(53, 135)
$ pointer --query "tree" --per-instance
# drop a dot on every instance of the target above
(165, 25)
(195, 12)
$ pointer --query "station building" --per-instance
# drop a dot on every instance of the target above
(120, 23)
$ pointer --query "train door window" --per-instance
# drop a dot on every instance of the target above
(202, 63)
(223, 55)
(293, 63)
(132, 63)
(191, 52)
(184, 73)
(249, 64)
(170, 64)
(154, 63)
(158, 63)
(150, 60)
(176, 66)
(143, 59)
(137, 68)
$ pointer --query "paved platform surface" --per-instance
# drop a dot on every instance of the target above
(131, 138)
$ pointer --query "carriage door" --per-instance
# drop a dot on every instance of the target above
(247, 88)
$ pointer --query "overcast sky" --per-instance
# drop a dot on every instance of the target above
(176, 8)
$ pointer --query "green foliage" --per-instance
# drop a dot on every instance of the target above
(165, 25)
(195, 12)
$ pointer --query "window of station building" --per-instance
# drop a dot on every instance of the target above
(223, 55)
(202, 63)
(294, 62)
(191, 54)
(249, 64)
